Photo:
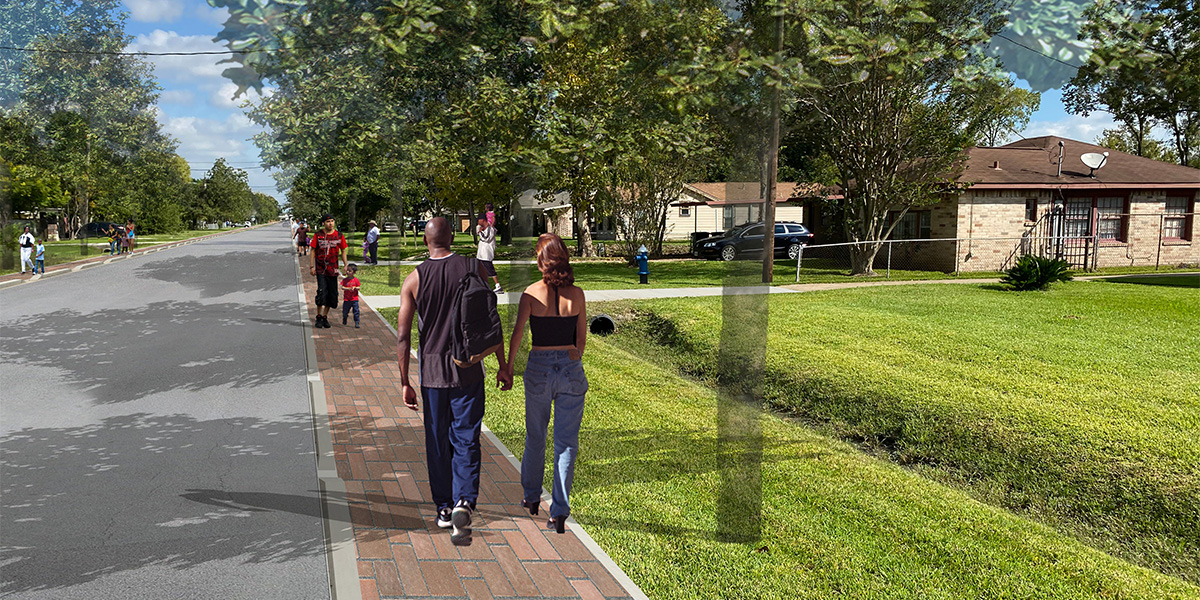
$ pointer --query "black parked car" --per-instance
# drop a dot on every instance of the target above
(747, 241)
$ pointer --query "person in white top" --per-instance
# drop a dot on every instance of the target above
(26, 243)
(487, 251)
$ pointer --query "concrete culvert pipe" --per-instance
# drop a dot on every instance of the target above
(601, 325)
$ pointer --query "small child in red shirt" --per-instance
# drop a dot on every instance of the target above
(350, 287)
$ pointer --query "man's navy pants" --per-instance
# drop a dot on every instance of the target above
(453, 418)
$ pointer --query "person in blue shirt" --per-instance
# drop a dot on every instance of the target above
(39, 265)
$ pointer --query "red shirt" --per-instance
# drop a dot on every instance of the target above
(350, 295)
(327, 246)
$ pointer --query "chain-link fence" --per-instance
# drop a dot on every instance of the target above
(1120, 240)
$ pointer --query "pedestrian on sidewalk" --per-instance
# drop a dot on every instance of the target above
(452, 396)
(26, 242)
(557, 313)
(487, 251)
(372, 241)
(350, 286)
(328, 246)
(39, 260)
(114, 240)
(301, 237)
(130, 236)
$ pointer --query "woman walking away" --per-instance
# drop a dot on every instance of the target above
(557, 315)
(487, 251)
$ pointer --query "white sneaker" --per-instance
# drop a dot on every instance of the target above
(498, 289)
(460, 518)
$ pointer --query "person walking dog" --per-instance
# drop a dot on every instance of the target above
(452, 396)
(557, 314)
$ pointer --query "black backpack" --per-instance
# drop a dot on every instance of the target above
(475, 330)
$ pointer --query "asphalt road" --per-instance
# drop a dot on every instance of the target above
(155, 431)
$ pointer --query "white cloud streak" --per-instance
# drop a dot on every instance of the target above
(155, 11)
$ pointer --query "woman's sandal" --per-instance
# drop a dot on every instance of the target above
(532, 506)
(559, 524)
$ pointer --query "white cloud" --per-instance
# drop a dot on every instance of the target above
(182, 69)
(222, 97)
(216, 16)
(1074, 127)
(181, 97)
(153, 11)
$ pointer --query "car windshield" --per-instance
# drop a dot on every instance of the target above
(736, 230)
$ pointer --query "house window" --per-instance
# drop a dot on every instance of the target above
(685, 211)
(1110, 218)
(1177, 223)
(914, 225)
(1031, 210)
(1078, 217)
(740, 214)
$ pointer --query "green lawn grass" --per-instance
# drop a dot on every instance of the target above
(835, 522)
(1079, 407)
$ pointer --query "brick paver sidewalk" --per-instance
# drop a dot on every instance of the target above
(380, 454)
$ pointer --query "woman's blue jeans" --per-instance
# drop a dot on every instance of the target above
(552, 378)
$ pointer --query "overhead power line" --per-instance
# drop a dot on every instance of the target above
(1036, 51)
(193, 53)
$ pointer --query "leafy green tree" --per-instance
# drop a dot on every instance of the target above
(224, 194)
(1144, 69)
(93, 104)
(1007, 109)
(896, 89)
(1123, 140)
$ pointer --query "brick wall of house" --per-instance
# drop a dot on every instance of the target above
(983, 214)
(1141, 246)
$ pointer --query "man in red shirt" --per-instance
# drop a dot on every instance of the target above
(328, 246)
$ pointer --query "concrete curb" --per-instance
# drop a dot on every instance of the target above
(341, 554)
(601, 556)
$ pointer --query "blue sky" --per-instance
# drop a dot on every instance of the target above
(197, 106)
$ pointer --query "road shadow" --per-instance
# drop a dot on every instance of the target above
(118, 355)
(236, 272)
(82, 503)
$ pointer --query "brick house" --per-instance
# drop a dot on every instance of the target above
(1133, 211)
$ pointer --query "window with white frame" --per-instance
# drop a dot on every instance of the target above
(1177, 222)
(1110, 218)
(685, 211)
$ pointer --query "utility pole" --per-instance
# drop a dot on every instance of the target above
(768, 274)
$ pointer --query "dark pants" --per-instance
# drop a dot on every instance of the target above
(373, 247)
(347, 306)
(452, 424)
(327, 290)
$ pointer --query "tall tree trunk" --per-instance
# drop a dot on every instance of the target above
(583, 233)
(862, 259)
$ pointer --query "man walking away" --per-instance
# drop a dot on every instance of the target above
(25, 241)
(452, 396)
(372, 240)
(328, 245)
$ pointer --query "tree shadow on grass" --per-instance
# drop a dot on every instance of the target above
(82, 503)
(119, 355)
(237, 272)
(1174, 280)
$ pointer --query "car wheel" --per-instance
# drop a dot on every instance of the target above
(794, 251)
(728, 253)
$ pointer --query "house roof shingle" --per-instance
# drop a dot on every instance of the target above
(1033, 163)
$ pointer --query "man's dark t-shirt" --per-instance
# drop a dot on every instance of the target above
(327, 246)
(438, 280)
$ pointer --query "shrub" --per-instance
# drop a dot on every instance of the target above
(1036, 273)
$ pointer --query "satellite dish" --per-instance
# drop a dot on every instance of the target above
(1094, 160)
